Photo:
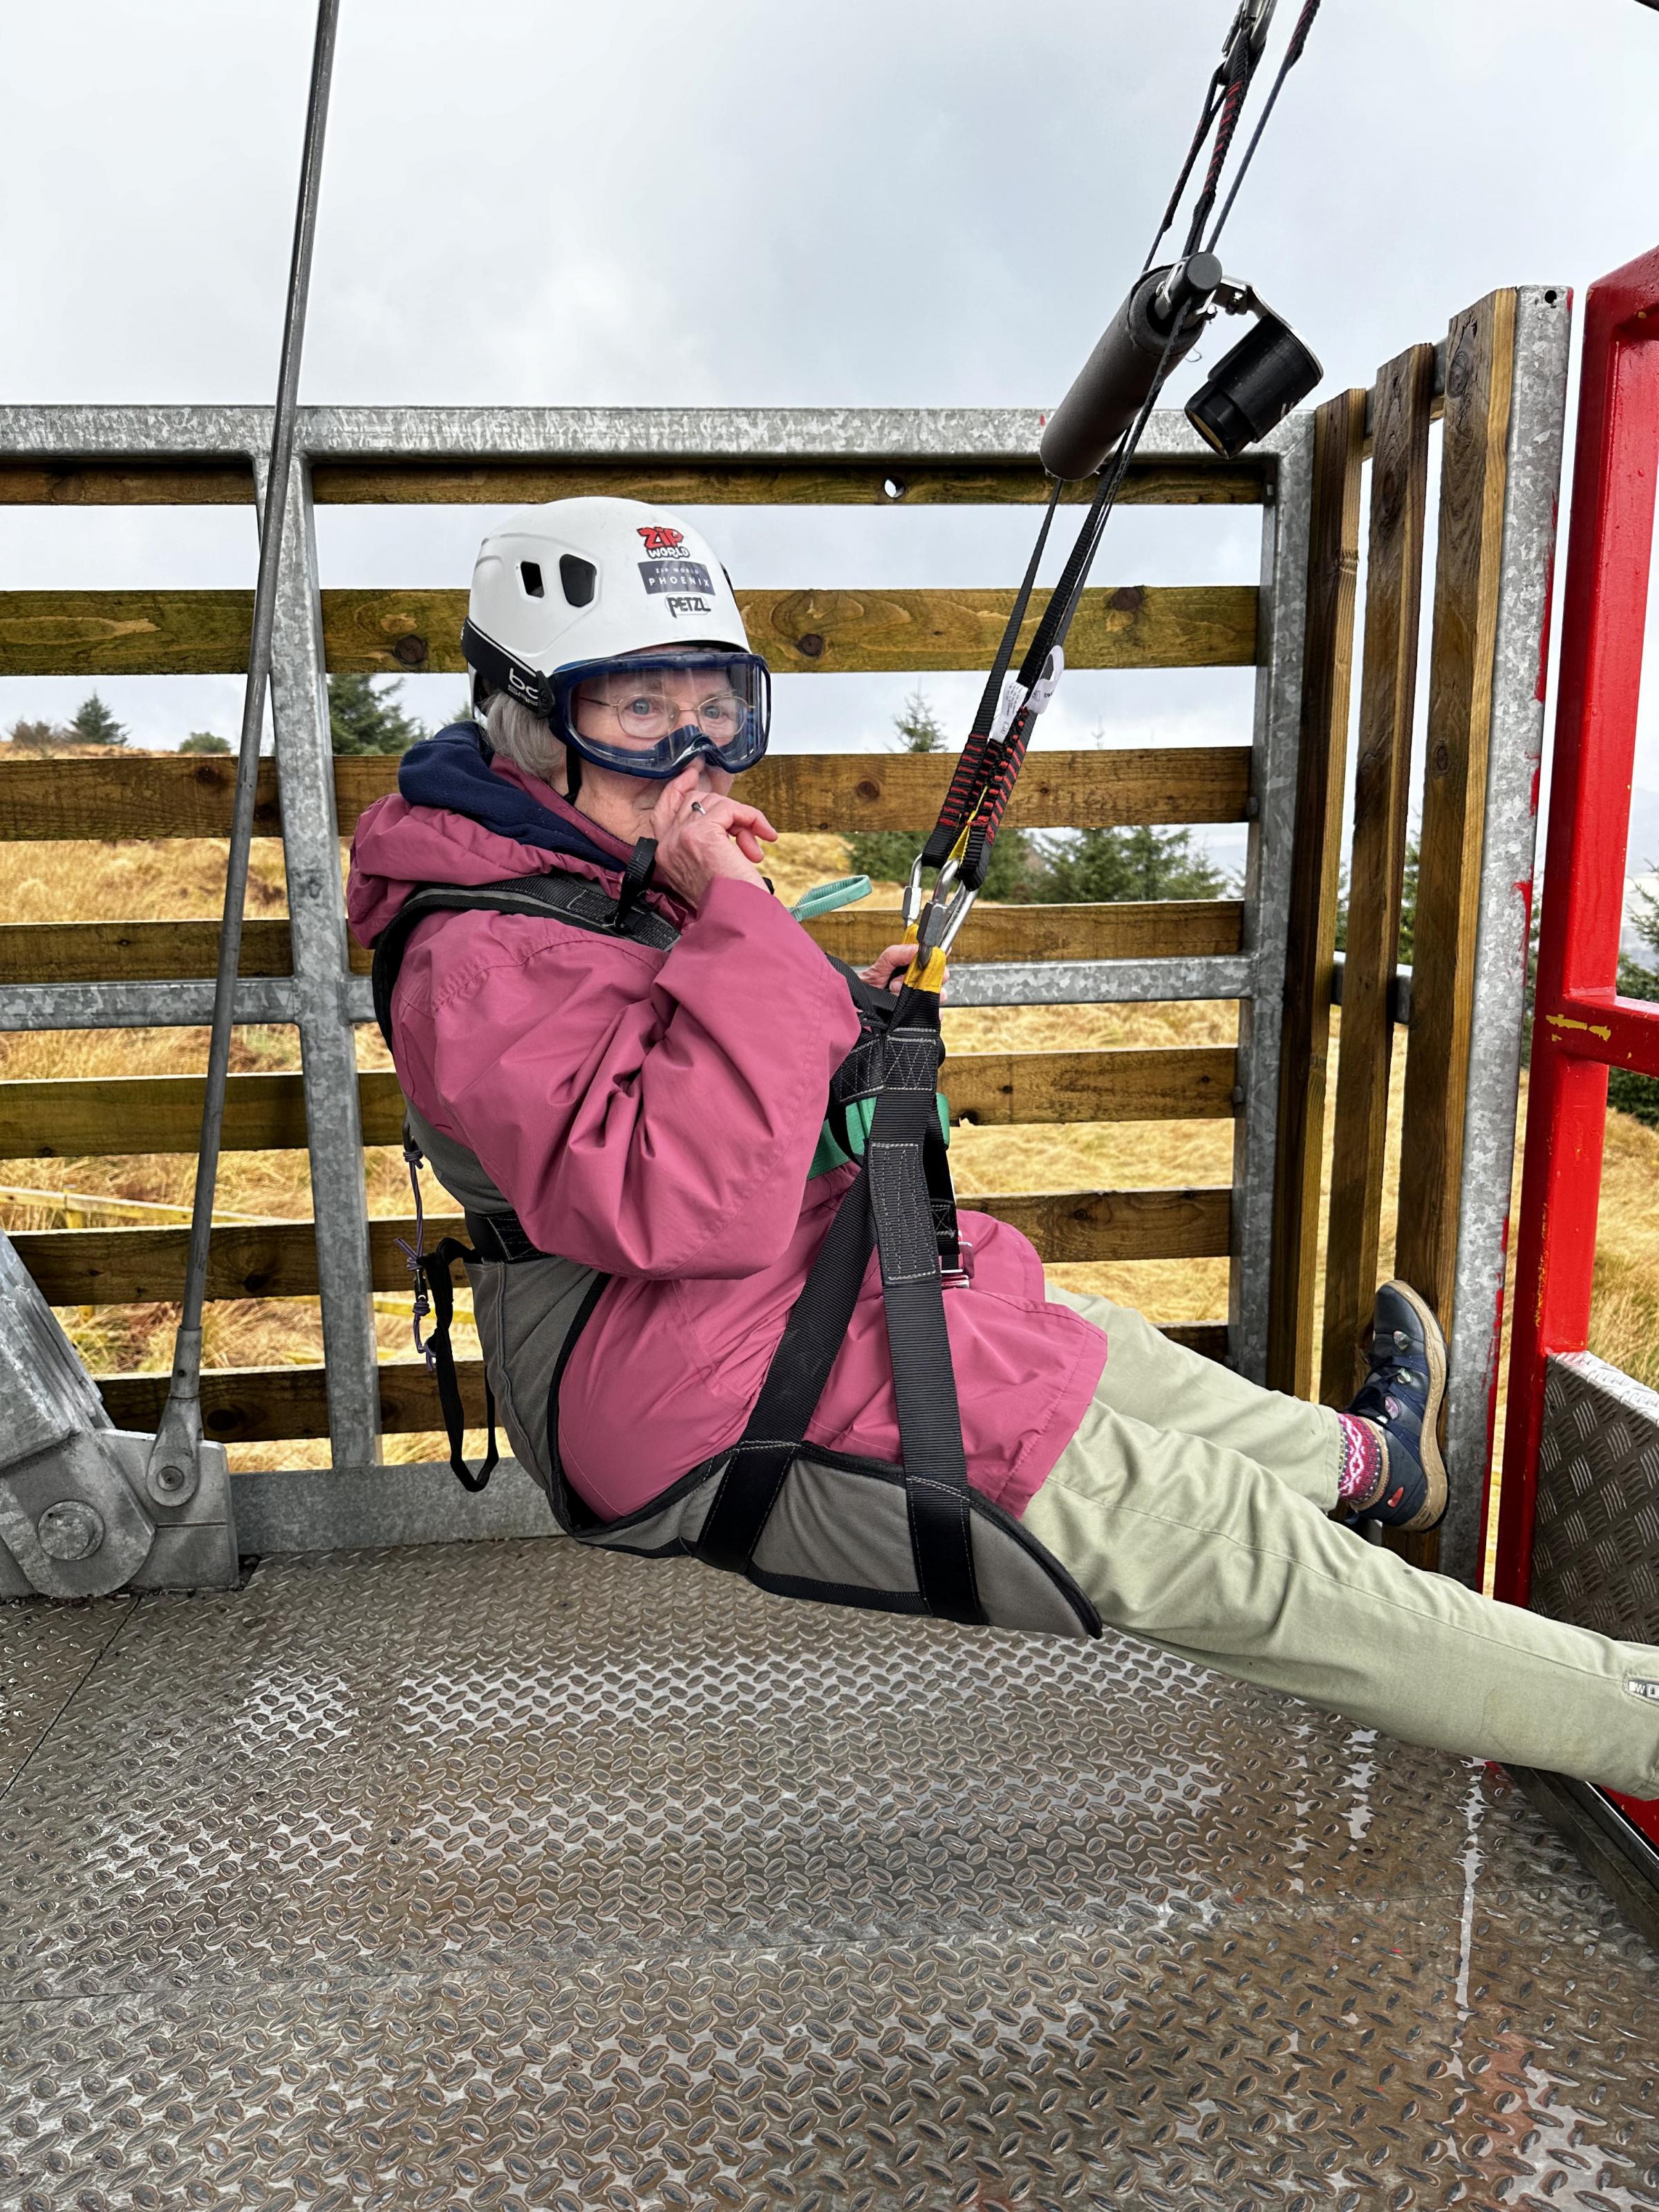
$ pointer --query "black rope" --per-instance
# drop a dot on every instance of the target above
(983, 781)
(990, 698)
(1212, 100)
(1241, 71)
(1292, 55)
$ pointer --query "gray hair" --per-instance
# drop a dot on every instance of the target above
(523, 738)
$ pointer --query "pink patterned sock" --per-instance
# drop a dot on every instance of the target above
(1362, 1459)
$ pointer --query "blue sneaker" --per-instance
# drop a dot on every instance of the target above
(1401, 1399)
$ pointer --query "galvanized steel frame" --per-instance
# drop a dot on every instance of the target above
(1543, 318)
(324, 1001)
(1287, 529)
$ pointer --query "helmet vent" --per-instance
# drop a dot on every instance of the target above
(530, 571)
(578, 576)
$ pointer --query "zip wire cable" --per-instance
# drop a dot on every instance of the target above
(173, 1469)
(1249, 26)
(986, 771)
(1052, 632)
(1292, 55)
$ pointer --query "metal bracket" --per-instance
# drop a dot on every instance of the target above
(73, 1523)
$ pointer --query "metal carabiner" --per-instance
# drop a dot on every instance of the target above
(1254, 19)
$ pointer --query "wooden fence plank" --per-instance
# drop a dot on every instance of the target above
(149, 795)
(995, 1090)
(278, 1259)
(690, 484)
(272, 1405)
(1387, 692)
(1074, 1226)
(110, 1116)
(134, 951)
(127, 483)
(823, 632)
(803, 633)
(1474, 476)
(1152, 930)
(159, 795)
(851, 793)
(124, 633)
(245, 1259)
(737, 483)
(164, 951)
(1333, 570)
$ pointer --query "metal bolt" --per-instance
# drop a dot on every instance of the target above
(410, 652)
(812, 645)
(71, 1530)
(170, 1479)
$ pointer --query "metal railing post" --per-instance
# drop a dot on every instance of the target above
(1283, 621)
(316, 896)
(1580, 1025)
(1537, 422)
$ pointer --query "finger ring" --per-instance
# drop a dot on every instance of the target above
(698, 807)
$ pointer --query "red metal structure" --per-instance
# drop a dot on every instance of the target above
(1582, 1026)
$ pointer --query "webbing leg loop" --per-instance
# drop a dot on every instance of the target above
(435, 1268)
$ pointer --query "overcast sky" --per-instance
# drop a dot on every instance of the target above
(886, 203)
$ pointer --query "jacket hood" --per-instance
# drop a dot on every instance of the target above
(463, 815)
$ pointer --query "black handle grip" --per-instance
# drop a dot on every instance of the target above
(1111, 388)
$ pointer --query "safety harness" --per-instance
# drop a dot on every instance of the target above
(911, 1536)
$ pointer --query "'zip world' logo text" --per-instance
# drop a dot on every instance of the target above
(659, 539)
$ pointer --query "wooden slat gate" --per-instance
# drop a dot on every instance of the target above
(1296, 628)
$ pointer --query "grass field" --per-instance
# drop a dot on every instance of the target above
(181, 880)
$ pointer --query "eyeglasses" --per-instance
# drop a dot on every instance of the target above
(643, 713)
(647, 714)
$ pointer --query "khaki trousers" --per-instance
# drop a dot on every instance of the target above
(1191, 1506)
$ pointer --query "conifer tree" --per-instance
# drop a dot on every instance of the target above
(95, 725)
(364, 721)
(1136, 863)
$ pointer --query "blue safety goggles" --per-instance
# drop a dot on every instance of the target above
(652, 714)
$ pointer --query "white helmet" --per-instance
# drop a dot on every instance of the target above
(581, 579)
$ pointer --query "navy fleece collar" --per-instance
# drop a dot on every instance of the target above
(452, 770)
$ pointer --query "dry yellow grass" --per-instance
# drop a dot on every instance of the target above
(180, 880)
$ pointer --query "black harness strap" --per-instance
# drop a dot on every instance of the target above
(435, 1268)
(813, 1335)
(576, 899)
(894, 1204)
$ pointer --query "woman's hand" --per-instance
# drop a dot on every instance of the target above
(887, 972)
(701, 835)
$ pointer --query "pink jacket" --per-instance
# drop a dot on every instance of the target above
(653, 1115)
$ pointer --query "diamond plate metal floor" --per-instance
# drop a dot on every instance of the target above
(503, 1876)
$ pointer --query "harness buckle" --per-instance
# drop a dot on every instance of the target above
(957, 1277)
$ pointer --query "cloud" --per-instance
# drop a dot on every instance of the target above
(887, 203)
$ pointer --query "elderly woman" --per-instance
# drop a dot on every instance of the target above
(620, 1054)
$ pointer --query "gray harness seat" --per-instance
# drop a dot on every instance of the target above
(909, 1537)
